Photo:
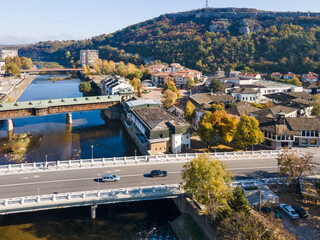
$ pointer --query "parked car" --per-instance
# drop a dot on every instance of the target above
(110, 178)
(266, 210)
(289, 211)
(301, 211)
(158, 173)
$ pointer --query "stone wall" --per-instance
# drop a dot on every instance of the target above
(186, 206)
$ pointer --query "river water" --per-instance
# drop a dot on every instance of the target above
(140, 220)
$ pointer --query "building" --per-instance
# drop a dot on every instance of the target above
(311, 87)
(160, 74)
(310, 77)
(289, 76)
(256, 76)
(276, 75)
(245, 94)
(116, 85)
(282, 132)
(241, 108)
(88, 57)
(2, 64)
(8, 53)
(154, 129)
(286, 96)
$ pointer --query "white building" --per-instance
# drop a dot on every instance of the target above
(115, 85)
(88, 57)
(8, 53)
(246, 94)
(2, 64)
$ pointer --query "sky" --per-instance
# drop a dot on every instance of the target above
(29, 21)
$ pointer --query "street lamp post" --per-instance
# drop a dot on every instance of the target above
(92, 152)
(135, 152)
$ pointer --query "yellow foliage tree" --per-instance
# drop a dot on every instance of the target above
(169, 98)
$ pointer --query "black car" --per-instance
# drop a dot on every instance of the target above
(158, 173)
(301, 211)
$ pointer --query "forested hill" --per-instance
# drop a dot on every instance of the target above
(207, 39)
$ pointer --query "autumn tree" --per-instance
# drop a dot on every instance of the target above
(12, 68)
(26, 63)
(294, 166)
(169, 98)
(295, 81)
(205, 128)
(136, 82)
(86, 70)
(189, 112)
(248, 132)
(316, 105)
(208, 181)
(216, 86)
(170, 85)
(217, 107)
(17, 61)
(85, 87)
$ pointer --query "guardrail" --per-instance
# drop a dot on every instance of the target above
(74, 199)
(123, 161)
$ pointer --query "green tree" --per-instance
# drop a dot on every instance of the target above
(12, 68)
(85, 87)
(216, 86)
(238, 201)
(208, 181)
(294, 166)
(17, 61)
(169, 98)
(189, 112)
(248, 132)
(190, 83)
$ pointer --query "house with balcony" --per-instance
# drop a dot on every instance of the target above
(289, 76)
(310, 77)
(116, 85)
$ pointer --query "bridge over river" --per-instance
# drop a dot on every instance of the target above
(9, 111)
(60, 184)
(51, 70)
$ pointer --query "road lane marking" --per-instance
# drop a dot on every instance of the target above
(75, 179)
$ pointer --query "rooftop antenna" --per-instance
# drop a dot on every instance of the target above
(207, 3)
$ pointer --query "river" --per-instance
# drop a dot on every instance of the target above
(140, 220)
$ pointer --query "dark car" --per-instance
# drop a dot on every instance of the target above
(301, 211)
(158, 173)
(266, 210)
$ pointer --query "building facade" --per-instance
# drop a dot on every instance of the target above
(88, 57)
(8, 53)
(154, 129)
(116, 85)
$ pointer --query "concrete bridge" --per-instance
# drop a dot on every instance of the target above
(52, 70)
(61, 184)
(9, 111)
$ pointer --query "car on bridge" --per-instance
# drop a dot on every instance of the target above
(158, 173)
(110, 178)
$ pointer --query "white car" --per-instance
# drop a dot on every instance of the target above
(289, 211)
(110, 178)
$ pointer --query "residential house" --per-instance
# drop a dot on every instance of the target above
(242, 108)
(2, 66)
(234, 73)
(289, 76)
(154, 129)
(276, 75)
(285, 96)
(8, 53)
(272, 111)
(116, 85)
(160, 78)
(256, 76)
(310, 77)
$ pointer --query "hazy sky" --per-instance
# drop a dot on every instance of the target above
(26, 21)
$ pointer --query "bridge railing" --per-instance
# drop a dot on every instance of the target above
(131, 160)
(48, 201)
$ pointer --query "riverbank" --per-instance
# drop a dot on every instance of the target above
(18, 90)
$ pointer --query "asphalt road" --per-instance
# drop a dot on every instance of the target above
(29, 184)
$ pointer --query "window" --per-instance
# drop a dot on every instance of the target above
(303, 133)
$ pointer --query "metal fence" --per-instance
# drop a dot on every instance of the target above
(49, 201)
(123, 161)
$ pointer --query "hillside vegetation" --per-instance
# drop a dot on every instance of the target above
(207, 39)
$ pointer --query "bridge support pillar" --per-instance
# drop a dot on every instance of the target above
(93, 211)
(9, 129)
(69, 118)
